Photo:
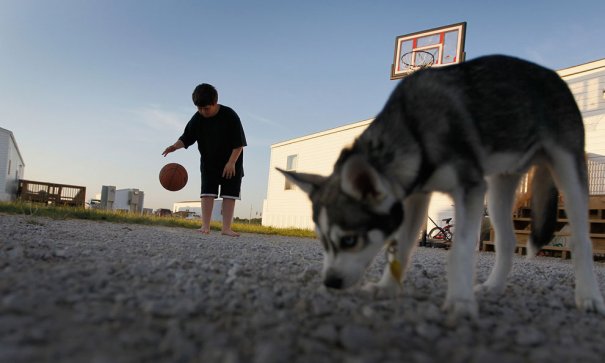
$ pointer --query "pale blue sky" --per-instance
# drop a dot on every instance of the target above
(95, 90)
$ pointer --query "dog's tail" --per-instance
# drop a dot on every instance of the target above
(544, 202)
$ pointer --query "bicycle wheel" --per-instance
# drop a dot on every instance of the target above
(448, 235)
(436, 233)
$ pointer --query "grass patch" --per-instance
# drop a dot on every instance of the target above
(60, 212)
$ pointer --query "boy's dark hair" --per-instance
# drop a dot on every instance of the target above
(204, 95)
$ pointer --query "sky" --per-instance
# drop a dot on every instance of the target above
(95, 90)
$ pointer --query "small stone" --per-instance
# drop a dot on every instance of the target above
(355, 337)
(308, 274)
(326, 333)
(16, 303)
(529, 337)
(15, 253)
(62, 253)
(368, 312)
(428, 331)
(271, 352)
(432, 313)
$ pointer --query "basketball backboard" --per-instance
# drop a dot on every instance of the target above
(436, 47)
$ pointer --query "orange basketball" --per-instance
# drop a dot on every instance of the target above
(173, 177)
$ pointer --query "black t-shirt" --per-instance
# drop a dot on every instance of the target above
(216, 138)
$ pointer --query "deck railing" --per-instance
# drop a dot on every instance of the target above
(51, 193)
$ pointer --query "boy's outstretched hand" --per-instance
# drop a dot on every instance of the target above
(168, 150)
(174, 147)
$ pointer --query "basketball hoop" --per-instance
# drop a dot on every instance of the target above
(417, 60)
(437, 47)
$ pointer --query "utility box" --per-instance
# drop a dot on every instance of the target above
(108, 197)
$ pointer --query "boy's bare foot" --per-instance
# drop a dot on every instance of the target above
(203, 231)
(230, 233)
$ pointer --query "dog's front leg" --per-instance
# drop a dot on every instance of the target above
(399, 250)
(460, 300)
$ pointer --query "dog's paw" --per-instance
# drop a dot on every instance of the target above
(594, 305)
(457, 309)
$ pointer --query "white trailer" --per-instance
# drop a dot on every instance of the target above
(12, 166)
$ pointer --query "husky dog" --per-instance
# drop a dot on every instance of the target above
(463, 130)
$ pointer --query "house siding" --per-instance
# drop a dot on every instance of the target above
(4, 146)
(587, 84)
(317, 153)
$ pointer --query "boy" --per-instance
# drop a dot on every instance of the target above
(220, 140)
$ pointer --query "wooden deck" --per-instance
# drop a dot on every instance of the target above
(51, 193)
(560, 245)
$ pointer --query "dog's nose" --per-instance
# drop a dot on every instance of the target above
(333, 282)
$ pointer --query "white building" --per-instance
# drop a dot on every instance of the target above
(587, 83)
(195, 207)
(12, 166)
(127, 200)
(287, 206)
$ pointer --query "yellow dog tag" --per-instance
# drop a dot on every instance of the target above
(394, 264)
(395, 267)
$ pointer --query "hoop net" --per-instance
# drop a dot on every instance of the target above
(417, 60)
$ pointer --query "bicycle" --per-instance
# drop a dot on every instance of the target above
(443, 234)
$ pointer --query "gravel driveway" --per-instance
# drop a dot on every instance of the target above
(82, 291)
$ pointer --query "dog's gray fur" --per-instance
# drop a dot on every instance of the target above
(463, 130)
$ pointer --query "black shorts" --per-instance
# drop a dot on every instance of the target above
(229, 188)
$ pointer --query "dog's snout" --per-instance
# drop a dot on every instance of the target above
(333, 282)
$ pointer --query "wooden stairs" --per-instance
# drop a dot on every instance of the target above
(560, 245)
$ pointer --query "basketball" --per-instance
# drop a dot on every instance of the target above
(173, 177)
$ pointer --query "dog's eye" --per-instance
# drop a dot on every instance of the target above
(348, 242)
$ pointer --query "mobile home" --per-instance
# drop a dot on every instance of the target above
(12, 166)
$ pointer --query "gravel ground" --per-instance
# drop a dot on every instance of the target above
(82, 291)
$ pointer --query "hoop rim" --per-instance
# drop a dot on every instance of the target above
(418, 66)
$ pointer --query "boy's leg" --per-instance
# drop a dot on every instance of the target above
(228, 209)
(207, 205)
(208, 194)
(230, 192)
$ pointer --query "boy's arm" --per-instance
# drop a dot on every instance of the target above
(188, 137)
(229, 170)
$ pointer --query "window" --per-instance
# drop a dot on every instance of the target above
(291, 165)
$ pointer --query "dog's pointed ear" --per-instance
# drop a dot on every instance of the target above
(361, 181)
(307, 182)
